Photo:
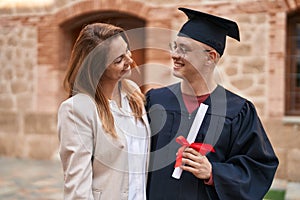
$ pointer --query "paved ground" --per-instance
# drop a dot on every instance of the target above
(30, 180)
(43, 180)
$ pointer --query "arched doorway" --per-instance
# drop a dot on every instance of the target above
(70, 30)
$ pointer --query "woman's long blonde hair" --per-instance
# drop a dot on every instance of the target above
(88, 62)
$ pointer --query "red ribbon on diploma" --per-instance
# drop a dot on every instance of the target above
(200, 147)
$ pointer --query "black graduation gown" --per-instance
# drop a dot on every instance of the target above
(243, 165)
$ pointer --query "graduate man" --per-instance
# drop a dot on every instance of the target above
(244, 163)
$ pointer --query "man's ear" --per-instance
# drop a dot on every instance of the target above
(212, 57)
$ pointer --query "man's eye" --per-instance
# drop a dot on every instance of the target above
(174, 46)
(183, 50)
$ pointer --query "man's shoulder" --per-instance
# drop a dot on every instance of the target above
(237, 104)
(164, 96)
(164, 90)
(226, 102)
(234, 97)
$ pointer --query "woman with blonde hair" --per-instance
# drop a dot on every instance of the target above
(103, 127)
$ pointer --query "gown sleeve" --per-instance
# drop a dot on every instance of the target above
(251, 163)
(76, 148)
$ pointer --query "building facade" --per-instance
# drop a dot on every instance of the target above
(36, 40)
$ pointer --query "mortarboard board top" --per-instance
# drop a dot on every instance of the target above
(209, 29)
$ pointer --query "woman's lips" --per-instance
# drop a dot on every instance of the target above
(127, 68)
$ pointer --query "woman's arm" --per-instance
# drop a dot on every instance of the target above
(76, 149)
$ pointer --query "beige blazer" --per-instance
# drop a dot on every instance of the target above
(95, 165)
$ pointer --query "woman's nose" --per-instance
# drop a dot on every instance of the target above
(129, 59)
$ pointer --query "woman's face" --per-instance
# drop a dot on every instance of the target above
(119, 57)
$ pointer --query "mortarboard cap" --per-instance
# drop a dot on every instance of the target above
(208, 29)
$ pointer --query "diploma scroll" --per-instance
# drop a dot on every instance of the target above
(193, 133)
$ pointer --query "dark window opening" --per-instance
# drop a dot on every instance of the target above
(293, 65)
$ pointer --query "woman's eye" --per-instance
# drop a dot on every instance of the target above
(118, 60)
(121, 58)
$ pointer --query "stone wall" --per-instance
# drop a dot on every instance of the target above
(33, 58)
(22, 131)
(18, 65)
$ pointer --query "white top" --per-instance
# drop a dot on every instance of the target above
(136, 136)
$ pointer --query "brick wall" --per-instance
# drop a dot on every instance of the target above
(35, 46)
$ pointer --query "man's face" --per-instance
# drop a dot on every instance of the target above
(190, 58)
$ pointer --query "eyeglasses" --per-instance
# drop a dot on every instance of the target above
(182, 49)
